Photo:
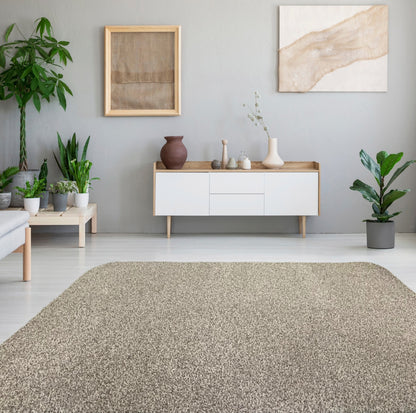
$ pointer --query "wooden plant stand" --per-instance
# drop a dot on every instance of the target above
(72, 216)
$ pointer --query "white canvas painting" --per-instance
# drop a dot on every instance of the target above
(333, 48)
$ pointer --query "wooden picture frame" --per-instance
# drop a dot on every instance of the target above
(142, 71)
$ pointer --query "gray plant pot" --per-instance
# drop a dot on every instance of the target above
(44, 199)
(380, 235)
(20, 180)
(59, 202)
(5, 198)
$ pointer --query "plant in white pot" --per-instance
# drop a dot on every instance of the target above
(60, 191)
(381, 231)
(31, 194)
(81, 172)
(67, 153)
(273, 159)
(5, 179)
(29, 72)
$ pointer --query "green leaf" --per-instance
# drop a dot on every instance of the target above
(366, 191)
(392, 196)
(389, 162)
(8, 31)
(2, 58)
(36, 101)
(381, 156)
(61, 97)
(398, 172)
(84, 152)
(371, 165)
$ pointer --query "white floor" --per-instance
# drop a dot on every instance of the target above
(57, 262)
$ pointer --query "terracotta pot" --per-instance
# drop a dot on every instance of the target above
(173, 153)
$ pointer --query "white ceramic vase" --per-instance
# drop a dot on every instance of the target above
(31, 205)
(81, 200)
(273, 160)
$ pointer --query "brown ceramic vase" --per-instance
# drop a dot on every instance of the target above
(173, 153)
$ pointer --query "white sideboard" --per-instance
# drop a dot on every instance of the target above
(199, 190)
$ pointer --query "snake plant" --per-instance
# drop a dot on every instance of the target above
(382, 197)
(69, 152)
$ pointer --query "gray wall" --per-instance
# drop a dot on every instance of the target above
(229, 50)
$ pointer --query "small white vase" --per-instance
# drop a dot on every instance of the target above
(81, 200)
(31, 205)
(273, 160)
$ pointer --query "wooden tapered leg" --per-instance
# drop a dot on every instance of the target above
(81, 232)
(168, 225)
(94, 222)
(27, 255)
(302, 226)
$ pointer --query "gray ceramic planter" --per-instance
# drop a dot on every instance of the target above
(44, 199)
(59, 202)
(20, 180)
(380, 235)
(5, 198)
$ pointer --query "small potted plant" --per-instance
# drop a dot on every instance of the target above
(43, 175)
(66, 154)
(381, 231)
(31, 195)
(60, 192)
(81, 172)
(5, 179)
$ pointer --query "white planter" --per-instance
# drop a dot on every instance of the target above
(31, 205)
(81, 200)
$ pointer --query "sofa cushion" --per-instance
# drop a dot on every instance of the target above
(9, 220)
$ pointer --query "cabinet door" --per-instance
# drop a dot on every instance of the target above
(182, 193)
(291, 193)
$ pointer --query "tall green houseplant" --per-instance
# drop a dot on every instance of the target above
(29, 72)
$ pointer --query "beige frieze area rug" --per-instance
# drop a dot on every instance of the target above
(218, 337)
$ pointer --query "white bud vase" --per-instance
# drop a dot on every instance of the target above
(273, 160)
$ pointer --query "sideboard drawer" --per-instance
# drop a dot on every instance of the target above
(294, 193)
(236, 204)
(236, 183)
(181, 194)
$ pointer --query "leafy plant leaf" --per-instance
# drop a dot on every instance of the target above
(398, 172)
(8, 31)
(389, 162)
(36, 101)
(366, 191)
(392, 196)
(381, 156)
(371, 165)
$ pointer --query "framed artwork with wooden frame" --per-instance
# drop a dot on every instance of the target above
(142, 71)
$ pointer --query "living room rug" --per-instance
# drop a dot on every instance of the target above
(218, 337)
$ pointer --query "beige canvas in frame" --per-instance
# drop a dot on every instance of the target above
(333, 48)
(142, 71)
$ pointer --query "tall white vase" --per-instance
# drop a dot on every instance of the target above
(273, 160)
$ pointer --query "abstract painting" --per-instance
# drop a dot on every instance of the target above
(333, 48)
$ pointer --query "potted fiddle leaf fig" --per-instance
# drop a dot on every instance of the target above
(381, 230)
(29, 72)
(5, 179)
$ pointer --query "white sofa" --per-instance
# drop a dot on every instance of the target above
(15, 236)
